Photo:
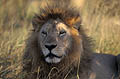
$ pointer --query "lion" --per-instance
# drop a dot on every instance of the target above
(58, 48)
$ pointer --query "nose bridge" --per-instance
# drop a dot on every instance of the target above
(51, 39)
(51, 42)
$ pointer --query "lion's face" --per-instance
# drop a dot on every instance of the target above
(55, 40)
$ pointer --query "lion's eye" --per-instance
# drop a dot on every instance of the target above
(44, 33)
(62, 33)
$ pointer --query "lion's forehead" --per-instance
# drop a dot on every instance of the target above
(55, 24)
(47, 26)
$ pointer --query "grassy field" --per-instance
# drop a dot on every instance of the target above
(101, 19)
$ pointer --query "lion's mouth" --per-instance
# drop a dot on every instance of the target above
(52, 58)
(50, 55)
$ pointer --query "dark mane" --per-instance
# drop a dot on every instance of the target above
(67, 14)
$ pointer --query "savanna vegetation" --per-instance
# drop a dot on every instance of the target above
(101, 20)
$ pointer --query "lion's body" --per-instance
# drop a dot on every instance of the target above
(58, 48)
(104, 66)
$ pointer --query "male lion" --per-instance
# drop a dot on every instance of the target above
(58, 48)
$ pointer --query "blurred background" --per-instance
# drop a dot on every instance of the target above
(101, 20)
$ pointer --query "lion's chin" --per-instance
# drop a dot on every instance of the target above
(52, 60)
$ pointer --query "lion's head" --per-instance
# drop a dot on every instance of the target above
(58, 32)
(55, 40)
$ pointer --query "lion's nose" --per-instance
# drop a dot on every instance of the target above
(50, 47)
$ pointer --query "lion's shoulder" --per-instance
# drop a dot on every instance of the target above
(104, 66)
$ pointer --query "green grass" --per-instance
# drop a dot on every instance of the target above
(100, 19)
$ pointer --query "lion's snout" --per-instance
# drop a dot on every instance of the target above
(50, 46)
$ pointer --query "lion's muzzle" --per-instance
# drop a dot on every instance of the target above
(51, 57)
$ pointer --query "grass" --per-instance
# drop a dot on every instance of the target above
(100, 19)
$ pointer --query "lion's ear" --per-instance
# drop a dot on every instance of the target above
(75, 22)
(35, 22)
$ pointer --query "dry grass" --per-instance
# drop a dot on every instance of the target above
(100, 17)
